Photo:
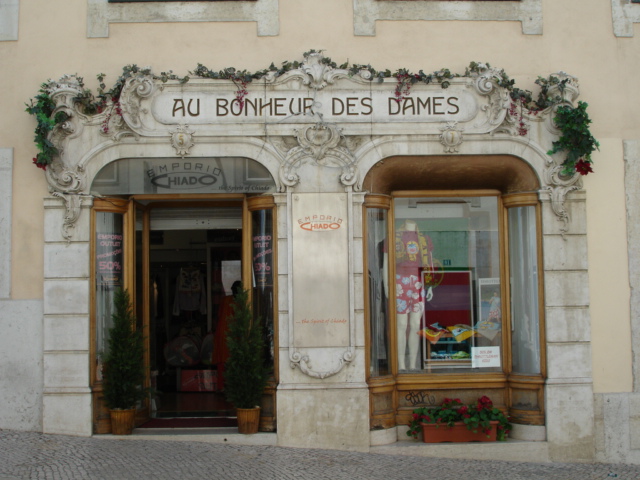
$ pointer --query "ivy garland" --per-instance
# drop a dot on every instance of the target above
(42, 107)
(575, 139)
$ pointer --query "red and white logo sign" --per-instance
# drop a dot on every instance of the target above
(320, 223)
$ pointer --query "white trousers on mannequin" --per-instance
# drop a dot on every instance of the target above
(408, 346)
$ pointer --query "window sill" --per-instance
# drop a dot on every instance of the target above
(100, 13)
(367, 12)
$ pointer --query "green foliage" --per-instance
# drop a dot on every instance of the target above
(91, 104)
(476, 417)
(42, 107)
(576, 139)
(245, 374)
(123, 371)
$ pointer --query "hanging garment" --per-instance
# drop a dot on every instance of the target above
(190, 293)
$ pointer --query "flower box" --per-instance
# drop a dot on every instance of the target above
(442, 422)
(434, 433)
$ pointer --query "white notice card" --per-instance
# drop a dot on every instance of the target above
(483, 357)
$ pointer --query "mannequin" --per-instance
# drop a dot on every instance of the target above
(413, 252)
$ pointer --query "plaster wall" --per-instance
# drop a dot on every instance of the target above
(21, 364)
(21, 372)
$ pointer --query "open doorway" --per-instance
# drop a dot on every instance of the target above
(195, 257)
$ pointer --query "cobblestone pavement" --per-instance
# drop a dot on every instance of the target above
(38, 456)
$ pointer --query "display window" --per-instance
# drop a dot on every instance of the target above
(454, 301)
(447, 280)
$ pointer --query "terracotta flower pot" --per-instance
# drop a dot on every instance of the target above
(248, 420)
(432, 433)
(122, 421)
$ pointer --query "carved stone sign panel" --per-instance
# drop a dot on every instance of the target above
(320, 271)
(188, 103)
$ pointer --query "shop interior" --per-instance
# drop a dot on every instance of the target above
(192, 272)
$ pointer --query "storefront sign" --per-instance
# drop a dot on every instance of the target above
(433, 105)
(184, 175)
(319, 223)
(320, 271)
(109, 259)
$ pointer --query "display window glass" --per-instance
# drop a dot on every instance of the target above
(525, 307)
(447, 284)
(379, 352)
(108, 276)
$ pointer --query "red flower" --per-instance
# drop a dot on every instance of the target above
(43, 166)
(583, 167)
(484, 402)
(463, 409)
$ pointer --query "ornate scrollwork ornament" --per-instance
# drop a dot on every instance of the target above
(559, 187)
(182, 140)
(134, 91)
(320, 144)
(304, 363)
(568, 90)
(64, 180)
(485, 83)
(73, 206)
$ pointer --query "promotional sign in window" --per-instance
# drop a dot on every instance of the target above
(109, 259)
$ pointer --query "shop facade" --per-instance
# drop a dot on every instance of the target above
(376, 245)
(402, 242)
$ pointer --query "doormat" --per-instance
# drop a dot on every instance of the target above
(190, 423)
(196, 414)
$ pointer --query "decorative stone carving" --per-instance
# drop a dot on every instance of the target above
(73, 204)
(319, 143)
(304, 363)
(63, 93)
(486, 83)
(134, 91)
(182, 140)
(479, 106)
(451, 137)
(568, 90)
(65, 180)
(560, 186)
(316, 74)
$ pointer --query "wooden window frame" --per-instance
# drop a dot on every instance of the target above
(397, 390)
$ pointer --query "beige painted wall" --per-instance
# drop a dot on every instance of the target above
(578, 38)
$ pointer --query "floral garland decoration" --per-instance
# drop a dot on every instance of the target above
(573, 123)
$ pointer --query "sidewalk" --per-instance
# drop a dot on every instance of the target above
(27, 455)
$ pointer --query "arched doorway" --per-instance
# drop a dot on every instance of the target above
(179, 234)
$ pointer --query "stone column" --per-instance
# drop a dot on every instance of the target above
(67, 395)
(569, 389)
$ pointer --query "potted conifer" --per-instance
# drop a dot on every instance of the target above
(123, 371)
(245, 374)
